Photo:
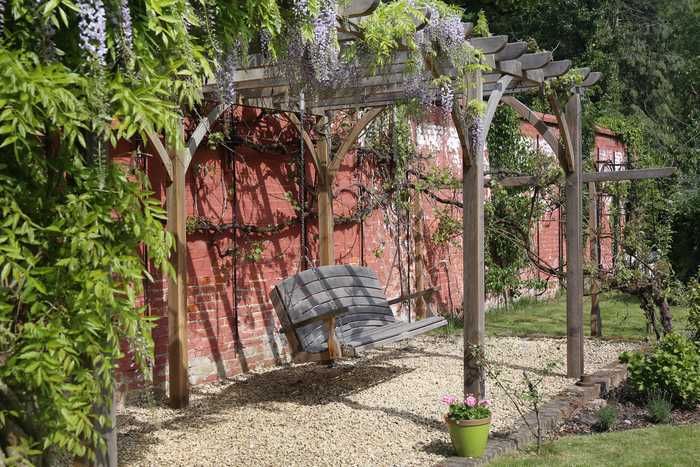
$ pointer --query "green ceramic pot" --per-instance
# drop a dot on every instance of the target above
(469, 437)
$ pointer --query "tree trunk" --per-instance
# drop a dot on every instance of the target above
(665, 313)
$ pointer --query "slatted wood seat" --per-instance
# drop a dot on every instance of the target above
(347, 300)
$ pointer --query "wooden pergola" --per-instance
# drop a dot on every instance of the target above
(512, 70)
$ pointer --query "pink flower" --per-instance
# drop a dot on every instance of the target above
(449, 400)
(470, 401)
(485, 403)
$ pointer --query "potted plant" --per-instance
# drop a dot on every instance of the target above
(469, 422)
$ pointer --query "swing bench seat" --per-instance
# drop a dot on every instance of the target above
(333, 311)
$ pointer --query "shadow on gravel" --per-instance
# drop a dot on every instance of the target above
(309, 384)
(536, 371)
(439, 447)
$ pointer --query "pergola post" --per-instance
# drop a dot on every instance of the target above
(419, 254)
(596, 323)
(325, 195)
(177, 286)
(574, 257)
(473, 239)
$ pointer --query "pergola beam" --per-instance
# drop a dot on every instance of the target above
(633, 174)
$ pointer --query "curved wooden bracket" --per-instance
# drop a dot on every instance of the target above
(566, 160)
(494, 100)
(201, 131)
(351, 139)
(542, 128)
(155, 141)
(294, 120)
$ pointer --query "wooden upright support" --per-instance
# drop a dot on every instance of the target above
(419, 255)
(325, 195)
(177, 286)
(328, 165)
(473, 240)
(596, 323)
(574, 257)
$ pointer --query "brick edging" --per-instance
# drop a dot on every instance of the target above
(551, 415)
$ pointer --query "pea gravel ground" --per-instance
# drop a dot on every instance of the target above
(382, 409)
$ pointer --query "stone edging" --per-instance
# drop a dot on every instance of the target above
(552, 415)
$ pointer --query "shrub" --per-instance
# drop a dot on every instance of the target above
(659, 408)
(672, 366)
(607, 417)
(694, 305)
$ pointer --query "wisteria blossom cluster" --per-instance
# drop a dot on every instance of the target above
(447, 98)
(324, 50)
(301, 8)
(316, 64)
(225, 79)
(447, 31)
(2, 15)
(444, 31)
(93, 29)
(125, 24)
(471, 408)
(418, 87)
(476, 132)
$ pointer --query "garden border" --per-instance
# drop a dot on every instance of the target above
(552, 414)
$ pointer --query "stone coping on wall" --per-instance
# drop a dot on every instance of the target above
(552, 414)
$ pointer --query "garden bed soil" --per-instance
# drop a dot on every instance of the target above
(631, 414)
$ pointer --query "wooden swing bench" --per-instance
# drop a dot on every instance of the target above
(331, 311)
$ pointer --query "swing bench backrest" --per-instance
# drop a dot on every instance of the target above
(347, 299)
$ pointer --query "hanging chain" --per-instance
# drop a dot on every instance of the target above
(302, 185)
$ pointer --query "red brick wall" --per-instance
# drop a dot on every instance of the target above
(232, 325)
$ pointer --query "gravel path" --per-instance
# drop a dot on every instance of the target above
(382, 409)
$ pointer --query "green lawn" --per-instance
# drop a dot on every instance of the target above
(622, 318)
(663, 445)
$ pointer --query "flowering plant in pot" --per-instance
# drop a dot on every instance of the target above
(469, 422)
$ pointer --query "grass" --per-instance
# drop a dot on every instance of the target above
(660, 445)
(621, 315)
(622, 318)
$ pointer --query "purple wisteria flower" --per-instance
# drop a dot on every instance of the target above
(476, 131)
(324, 50)
(125, 23)
(2, 15)
(301, 8)
(225, 79)
(93, 29)
(448, 32)
(447, 96)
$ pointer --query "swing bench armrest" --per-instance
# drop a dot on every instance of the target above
(418, 294)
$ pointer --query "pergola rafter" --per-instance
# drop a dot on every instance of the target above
(261, 83)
